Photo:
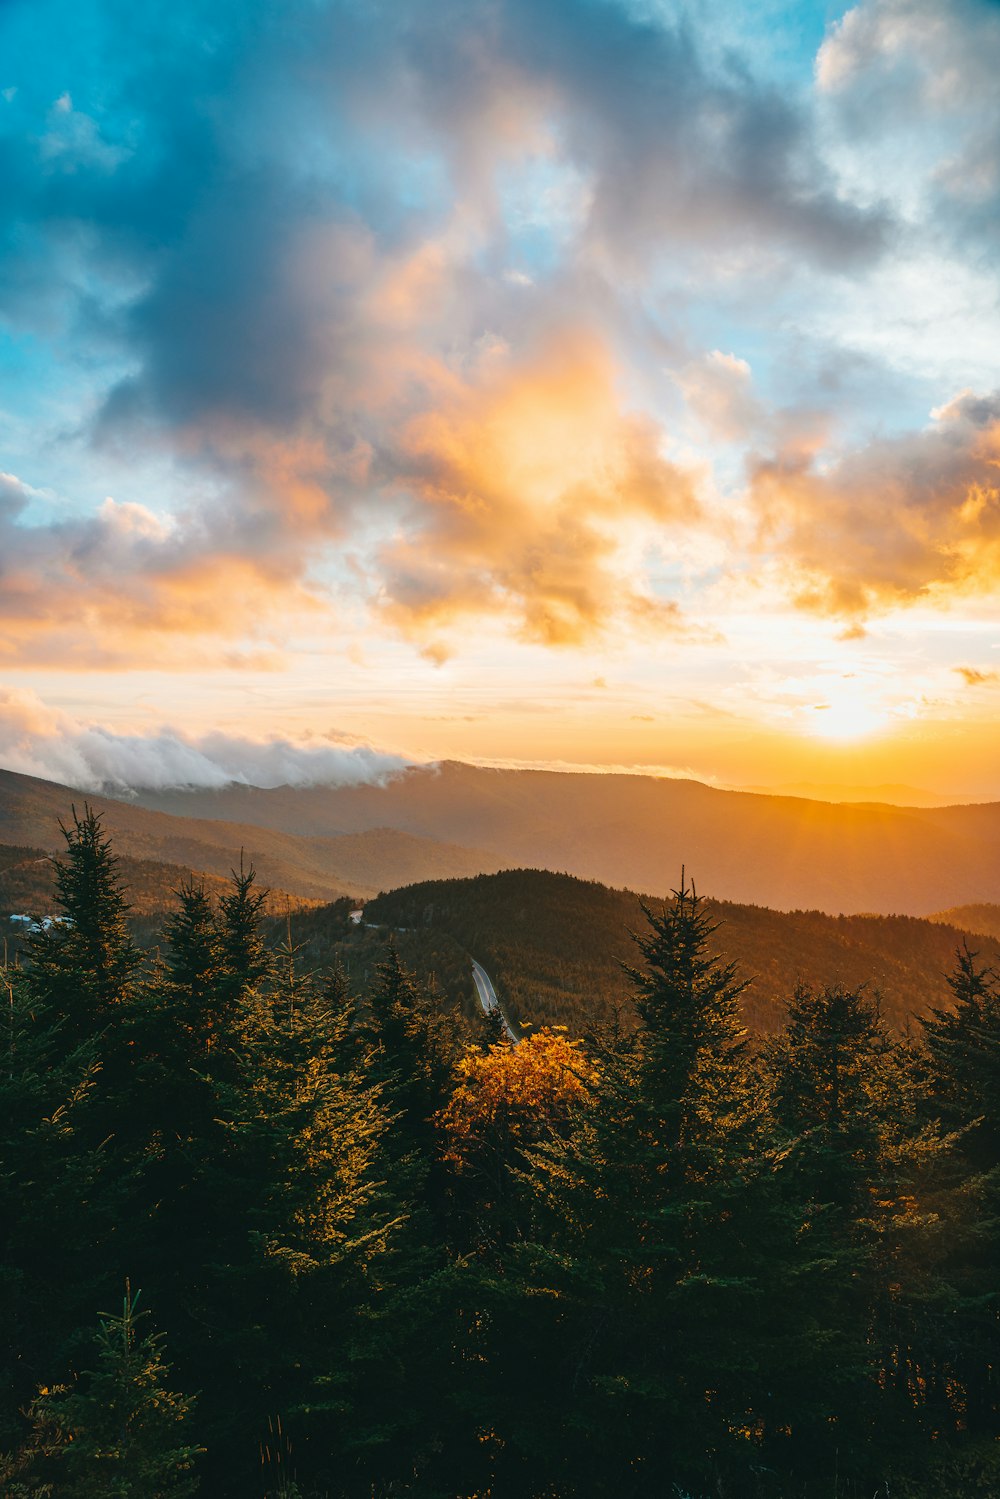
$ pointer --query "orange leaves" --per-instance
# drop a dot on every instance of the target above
(510, 1096)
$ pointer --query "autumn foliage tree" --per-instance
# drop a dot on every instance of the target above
(506, 1100)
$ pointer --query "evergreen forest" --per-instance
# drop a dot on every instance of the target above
(266, 1232)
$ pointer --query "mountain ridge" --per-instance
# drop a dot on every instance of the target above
(635, 832)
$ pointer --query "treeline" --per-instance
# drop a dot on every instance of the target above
(263, 1238)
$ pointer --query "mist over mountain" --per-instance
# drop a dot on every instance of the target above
(319, 868)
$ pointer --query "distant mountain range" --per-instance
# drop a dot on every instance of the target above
(553, 942)
(637, 831)
(888, 792)
(454, 820)
(358, 863)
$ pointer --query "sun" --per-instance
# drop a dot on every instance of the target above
(846, 711)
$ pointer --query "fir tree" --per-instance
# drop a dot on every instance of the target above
(962, 1051)
(86, 963)
(847, 1116)
(244, 957)
(58, 1200)
(654, 1225)
(408, 1051)
(119, 1431)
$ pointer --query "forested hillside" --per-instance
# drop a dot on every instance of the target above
(982, 918)
(315, 867)
(263, 1235)
(554, 946)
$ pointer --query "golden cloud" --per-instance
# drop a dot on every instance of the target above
(909, 519)
(534, 493)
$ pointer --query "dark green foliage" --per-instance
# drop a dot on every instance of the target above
(243, 955)
(644, 1274)
(55, 1196)
(962, 1053)
(709, 1268)
(118, 1431)
(963, 1048)
(86, 964)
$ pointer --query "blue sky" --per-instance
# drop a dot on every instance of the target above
(558, 340)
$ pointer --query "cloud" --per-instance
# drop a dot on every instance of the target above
(123, 584)
(298, 248)
(532, 484)
(39, 741)
(925, 72)
(975, 678)
(671, 151)
(902, 520)
(719, 390)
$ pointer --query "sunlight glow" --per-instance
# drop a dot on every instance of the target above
(846, 711)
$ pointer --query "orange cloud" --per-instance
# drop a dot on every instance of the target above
(976, 678)
(904, 520)
(534, 490)
(119, 587)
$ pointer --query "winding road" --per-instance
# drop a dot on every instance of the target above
(488, 999)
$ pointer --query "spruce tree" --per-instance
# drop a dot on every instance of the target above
(962, 1044)
(653, 1230)
(118, 1431)
(75, 1140)
(244, 957)
(58, 1198)
(86, 963)
(962, 1051)
(855, 1156)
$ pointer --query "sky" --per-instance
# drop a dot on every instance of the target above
(596, 383)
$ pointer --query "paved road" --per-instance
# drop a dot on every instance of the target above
(488, 998)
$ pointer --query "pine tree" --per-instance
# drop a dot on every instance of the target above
(119, 1431)
(407, 1406)
(245, 960)
(86, 963)
(194, 968)
(57, 1198)
(847, 1115)
(307, 1134)
(654, 1221)
(73, 1143)
(408, 1051)
(962, 1052)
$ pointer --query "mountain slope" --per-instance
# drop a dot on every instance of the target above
(28, 885)
(637, 831)
(982, 918)
(554, 946)
(318, 867)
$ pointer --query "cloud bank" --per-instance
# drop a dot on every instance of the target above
(36, 740)
(437, 316)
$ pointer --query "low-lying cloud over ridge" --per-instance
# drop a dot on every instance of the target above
(38, 741)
